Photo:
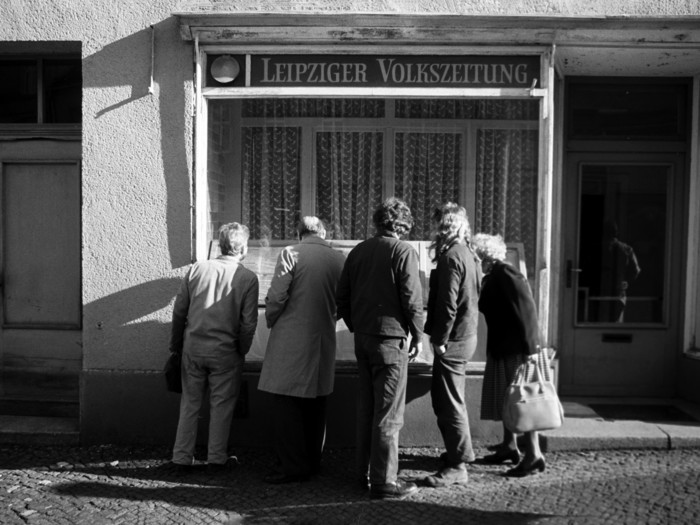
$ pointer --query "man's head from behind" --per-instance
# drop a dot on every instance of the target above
(233, 239)
(310, 225)
(393, 216)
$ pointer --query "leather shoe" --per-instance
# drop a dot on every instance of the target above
(219, 468)
(448, 476)
(501, 457)
(521, 470)
(399, 489)
(279, 479)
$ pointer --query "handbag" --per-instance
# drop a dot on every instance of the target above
(173, 377)
(532, 406)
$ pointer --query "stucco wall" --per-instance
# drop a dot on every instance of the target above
(137, 149)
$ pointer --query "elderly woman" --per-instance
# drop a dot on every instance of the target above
(452, 322)
(513, 344)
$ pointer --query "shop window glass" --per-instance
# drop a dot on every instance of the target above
(308, 108)
(468, 109)
(506, 187)
(428, 169)
(349, 181)
(270, 181)
(271, 161)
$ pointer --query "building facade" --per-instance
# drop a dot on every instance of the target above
(129, 131)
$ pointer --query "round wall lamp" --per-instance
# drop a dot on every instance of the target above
(225, 69)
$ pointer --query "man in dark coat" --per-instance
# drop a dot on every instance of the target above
(380, 299)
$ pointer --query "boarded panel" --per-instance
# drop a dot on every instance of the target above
(41, 219)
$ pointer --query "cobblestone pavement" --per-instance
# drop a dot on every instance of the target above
(131, 485)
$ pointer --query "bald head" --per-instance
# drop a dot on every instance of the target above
(310, 225)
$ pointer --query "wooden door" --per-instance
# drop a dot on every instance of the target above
(40, 272)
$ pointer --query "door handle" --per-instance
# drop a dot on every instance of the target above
(570, 271)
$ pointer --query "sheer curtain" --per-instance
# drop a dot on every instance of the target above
(428, 167)
(349, 172)
(270, 187)
(506, 186)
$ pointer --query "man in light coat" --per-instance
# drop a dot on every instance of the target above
(299, 364)
(214, 321)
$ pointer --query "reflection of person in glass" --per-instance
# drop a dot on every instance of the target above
(618, 267)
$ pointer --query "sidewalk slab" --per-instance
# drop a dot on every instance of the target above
(597, 434)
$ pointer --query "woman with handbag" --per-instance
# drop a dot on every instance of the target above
(512, 347)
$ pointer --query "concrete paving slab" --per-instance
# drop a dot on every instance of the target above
(596, 434)
(682, 435)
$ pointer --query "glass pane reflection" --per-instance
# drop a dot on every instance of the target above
(622, 244)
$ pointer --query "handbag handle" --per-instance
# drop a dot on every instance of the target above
(538, 372)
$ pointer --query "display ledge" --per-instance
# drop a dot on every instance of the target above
(350, 368)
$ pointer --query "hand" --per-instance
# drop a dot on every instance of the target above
(439, 349)
(415, 349)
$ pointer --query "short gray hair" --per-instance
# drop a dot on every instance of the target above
(311, 225)
(233, 239)
(489, 247)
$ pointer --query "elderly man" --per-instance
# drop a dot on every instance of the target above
(299, 365)
(380, 299)
(214, 321)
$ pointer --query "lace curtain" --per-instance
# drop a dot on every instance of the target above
(506, 187)
(349, 172)
(271, 199)
(428, 167)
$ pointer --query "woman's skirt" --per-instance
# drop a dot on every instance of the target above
(499, 375)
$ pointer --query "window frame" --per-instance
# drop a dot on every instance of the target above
(60, 131)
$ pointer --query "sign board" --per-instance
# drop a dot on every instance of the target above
(389, 71)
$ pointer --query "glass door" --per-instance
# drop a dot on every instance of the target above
(622, 284)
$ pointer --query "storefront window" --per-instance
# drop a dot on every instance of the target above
(271, 161)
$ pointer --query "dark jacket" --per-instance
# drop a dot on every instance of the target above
(511, 315)
(453, 311)
(380, 292)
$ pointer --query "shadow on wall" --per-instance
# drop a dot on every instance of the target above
(127, 63)
(127, 318)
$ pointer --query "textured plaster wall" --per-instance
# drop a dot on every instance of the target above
(594, 8)
(136, 166)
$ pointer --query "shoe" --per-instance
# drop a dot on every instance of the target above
(218, 468)
(448, 476)
(501, 457)
(183, 470)
(521, 470)
(399, 489)
(280, 479)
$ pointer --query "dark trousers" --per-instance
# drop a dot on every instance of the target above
(382, 364)
(300, 431)
(448, 398)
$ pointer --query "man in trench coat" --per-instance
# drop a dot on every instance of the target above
(299, 364)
